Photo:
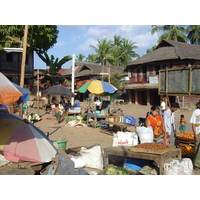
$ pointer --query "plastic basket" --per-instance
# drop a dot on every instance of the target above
(62, 145)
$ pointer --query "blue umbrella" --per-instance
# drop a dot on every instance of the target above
(25, 97)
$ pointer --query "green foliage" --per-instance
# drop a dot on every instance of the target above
(152, 48)
(80, 57)
(119, 52)
(193, 34)
(54, 64)
(113, 170)
(114, 80)
(170, 32)
(40, 37)
(103, 50)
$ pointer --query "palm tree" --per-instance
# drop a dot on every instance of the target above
(116, 45)
(80, 57)
(127, 52)
(152, 48)
(193, 32)
(103, 50)
(170, 32)
(91, 58)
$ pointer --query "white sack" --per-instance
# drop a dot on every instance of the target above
(145, 134)
(92, 157)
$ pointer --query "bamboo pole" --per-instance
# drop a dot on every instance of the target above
(23, 63)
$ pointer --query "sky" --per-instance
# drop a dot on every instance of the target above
(76, 39)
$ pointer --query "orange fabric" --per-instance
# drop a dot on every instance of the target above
(157, 124)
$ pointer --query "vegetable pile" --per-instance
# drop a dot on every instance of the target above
(153, 146)
(186, 150)
(187, 136)
(112, 170)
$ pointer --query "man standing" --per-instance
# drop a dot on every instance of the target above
(195, 121)
(169, 121)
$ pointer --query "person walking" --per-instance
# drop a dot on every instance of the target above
(195, 121)
(169, 121)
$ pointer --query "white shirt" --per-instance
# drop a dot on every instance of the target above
(169, 120)
(195, 119)
(163, 105)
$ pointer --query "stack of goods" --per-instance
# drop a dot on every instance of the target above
(186, 143)
(151, 147)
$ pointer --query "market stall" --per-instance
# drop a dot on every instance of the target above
(141, 153)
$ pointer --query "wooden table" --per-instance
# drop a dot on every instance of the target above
(125, 152)
(119, 124)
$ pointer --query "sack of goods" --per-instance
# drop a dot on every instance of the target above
(145, 134)
(184, 167)
(125, 139)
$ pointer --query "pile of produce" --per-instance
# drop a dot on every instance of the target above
(153, 146)
(33, 117)
(113, 170)
(187, 136)
(187, 149)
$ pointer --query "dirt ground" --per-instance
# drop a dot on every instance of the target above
(87, 136)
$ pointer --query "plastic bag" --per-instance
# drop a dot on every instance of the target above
(188, 166)
(173, 168)
(145, 134)
(78, 161)
(92, 157)
(184, 167)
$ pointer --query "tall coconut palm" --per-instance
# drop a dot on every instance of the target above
(127, 51)
(92, 58)
(116, 45)
(103, 50)
(170, 32)
(80, 57)
(193, 34)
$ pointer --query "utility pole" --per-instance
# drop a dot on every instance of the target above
(23, 63)
(73, 69)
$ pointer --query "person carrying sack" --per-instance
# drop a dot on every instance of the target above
(195, 121)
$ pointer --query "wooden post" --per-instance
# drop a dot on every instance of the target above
(109, 75)
(38, 91)
(166, 86)
(23, 63)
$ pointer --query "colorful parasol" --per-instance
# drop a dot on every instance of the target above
(21, 141)
(8, 92)
(25, 94)
(97, 87)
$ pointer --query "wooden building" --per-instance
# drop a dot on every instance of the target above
(144, 71)
(10, 66)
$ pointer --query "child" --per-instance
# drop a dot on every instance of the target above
(57, 113)
(182, 126)
(53, 109)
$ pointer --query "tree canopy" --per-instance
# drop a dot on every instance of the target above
(40, 37)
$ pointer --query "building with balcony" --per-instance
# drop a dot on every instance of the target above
(144, 71)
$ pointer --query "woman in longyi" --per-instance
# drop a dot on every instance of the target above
(156, 122)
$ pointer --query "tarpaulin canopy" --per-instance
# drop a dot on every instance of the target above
(8, 92)
(25, 94)
(21, 141)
